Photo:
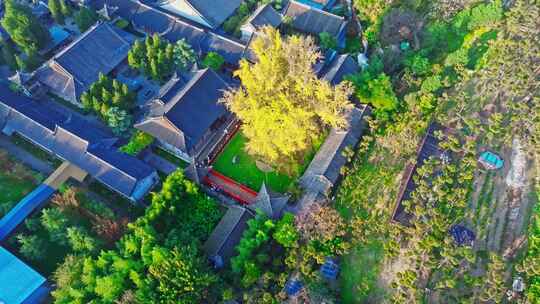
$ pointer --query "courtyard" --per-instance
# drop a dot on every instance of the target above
(235, 163)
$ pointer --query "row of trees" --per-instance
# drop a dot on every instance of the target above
(158, 59)
(157, 261)
(111, 101)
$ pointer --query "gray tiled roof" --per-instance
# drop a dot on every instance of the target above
(73, 140)
(152, 20)
(190, 107)
(314, 21)
(340, 67)
(324, 170)
(228, 233)
(269, 202)
(99, 50)
(215, 11)
(263, 16)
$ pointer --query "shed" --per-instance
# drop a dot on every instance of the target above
(330, 269)
(18, 282)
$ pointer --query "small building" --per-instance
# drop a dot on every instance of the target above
(220, 246)
(330, 269)
(71, 72)
(74, 140)
(310, 20)
(20, 284)
(187, 116)
(210, 13)
(265, 15)
(324, 171)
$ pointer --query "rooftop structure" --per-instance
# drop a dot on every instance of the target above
(325, 169)
(320, 4)
(74, 140)
(314, 21)
(210, 13)
(339, 67)
(18, 282)
(185, 115)
(151, 20)
(71, 72)
(220, 246)
(265, 15)
(269, 202)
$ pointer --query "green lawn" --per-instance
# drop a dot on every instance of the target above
(15, 182)
(245, 171)
(360, 273)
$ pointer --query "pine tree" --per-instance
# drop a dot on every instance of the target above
(56, 11)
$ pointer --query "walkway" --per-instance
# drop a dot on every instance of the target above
(159, 163)
(239, 192)
(38, 198)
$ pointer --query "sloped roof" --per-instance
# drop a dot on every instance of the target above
(341, 66)
(190, 107)
(152, 20)
(325, 168)
(215, 11)
(75, 141)
(228, 233)
(269, 202)
(99, 50)
(308, 19)
(263, 16)
(17, 280)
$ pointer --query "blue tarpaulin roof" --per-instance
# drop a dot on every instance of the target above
(18, 282)
(462, 235)
(492, 160)
(330, 269)
(24, 208)
(293, 286)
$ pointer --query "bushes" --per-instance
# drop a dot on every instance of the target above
(213, 60)
(327, 41)
(137, 143)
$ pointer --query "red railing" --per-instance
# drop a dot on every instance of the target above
(237, 191)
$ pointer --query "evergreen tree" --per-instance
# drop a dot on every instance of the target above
(23, 27)
(85, 18)
(65, 9)
(56, 11)
(8, 54)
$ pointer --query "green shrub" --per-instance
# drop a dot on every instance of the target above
(139, 140)
(214, 61)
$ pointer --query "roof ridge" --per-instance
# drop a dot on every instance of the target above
(188, 86)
